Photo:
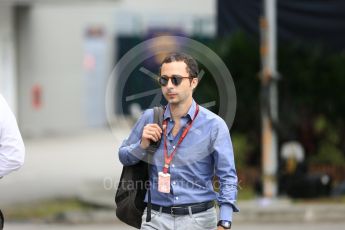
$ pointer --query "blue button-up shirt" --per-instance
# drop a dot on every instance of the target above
(206, 151)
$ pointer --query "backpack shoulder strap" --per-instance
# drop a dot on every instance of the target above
(158, 112)
(158, 119)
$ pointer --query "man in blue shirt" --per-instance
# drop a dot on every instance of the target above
(195, 146)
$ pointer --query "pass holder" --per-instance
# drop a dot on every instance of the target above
(164, 182)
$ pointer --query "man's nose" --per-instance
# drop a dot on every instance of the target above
(170, 84)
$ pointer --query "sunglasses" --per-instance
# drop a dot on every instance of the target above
(175, 79)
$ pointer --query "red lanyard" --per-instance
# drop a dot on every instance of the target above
(168, 159)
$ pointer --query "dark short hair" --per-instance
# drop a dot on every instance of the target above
(192, 65)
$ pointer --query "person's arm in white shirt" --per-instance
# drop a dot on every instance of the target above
(12, 150)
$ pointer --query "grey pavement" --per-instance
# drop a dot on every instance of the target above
(319, 226)
(65, 166)
(16, 226)
(284, 210)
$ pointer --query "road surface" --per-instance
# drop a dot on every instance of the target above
(283, 226)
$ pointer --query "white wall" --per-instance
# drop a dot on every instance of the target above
(8, 84)
(51, 52)
(183, 14)
(52, 56)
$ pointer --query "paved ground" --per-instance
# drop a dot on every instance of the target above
(323, 226)
(64, 166)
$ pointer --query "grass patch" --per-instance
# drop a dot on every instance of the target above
(246, 194)
(44, 210)
(321, 200)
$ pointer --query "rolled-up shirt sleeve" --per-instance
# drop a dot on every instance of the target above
(225, 170)
(12, 150)
(130, 151)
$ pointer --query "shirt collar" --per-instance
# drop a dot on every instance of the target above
(190, 112)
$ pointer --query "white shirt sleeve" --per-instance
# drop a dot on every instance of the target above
(12, 150)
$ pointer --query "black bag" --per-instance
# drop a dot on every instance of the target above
(1, 221)
(134, 183)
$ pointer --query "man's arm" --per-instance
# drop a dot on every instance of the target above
(133, 149)
(12, 150)
(225, 170)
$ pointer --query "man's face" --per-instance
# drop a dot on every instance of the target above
(184, 91)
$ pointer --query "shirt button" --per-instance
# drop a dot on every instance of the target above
(173, 165)
(174, 147)
(174, 182)
(176, 198)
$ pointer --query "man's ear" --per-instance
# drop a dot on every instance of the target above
(195, 82)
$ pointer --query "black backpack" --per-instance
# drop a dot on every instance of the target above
(1, 221)
(134, 183)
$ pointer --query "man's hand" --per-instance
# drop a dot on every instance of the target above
(226, 224)
(151, 132)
